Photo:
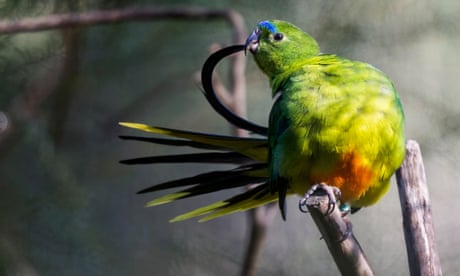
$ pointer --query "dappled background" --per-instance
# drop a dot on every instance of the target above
(68, 208)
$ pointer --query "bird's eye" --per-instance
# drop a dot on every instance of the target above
(278, 36)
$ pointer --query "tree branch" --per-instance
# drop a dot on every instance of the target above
(416, 211)
(336, 232)
(91, 18)
(260, 219)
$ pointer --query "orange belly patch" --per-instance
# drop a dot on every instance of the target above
(350, 175)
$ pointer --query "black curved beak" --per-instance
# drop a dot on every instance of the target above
(252, 42)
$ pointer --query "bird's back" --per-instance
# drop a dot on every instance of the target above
(339, 122)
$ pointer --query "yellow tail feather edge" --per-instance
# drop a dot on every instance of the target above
(255, 148)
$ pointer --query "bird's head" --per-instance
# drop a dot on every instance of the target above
(278, 45)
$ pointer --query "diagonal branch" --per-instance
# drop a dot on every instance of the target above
(336, 231)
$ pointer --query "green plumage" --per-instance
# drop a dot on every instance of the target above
(334, 120)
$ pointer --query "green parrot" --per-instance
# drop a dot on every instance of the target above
(333, 121)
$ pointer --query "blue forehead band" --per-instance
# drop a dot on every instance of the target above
(267, 25)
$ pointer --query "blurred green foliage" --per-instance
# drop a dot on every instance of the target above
(68, 207)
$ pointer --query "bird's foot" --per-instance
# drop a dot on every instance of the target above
(333, 194)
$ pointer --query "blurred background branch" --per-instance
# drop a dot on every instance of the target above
(71, 43)
(146, 13)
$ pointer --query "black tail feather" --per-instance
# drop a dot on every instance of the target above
(256, 192)
(171, 142)
(222, 179)
(228, 182)
(203, 157)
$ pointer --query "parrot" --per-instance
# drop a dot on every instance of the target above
(333, 121)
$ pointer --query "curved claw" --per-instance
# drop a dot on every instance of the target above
(303, 204)
(333, 194)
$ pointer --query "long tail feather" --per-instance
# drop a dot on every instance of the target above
(255, 148)
(171, 142)
(252, 198)
(203, 157)
(222, 183)
(247, 173)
